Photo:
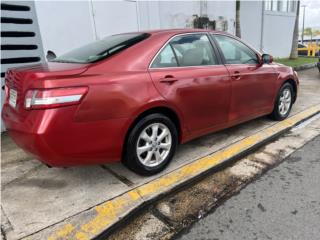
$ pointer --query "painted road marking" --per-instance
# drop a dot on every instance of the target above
(100, 218)
(307, 122)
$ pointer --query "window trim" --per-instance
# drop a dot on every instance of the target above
(213, 34)
(214, 49)
(175, 54)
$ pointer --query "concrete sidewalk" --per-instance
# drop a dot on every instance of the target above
(36, 198)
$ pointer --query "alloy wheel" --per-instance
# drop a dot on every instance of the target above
(154, 144)
(285, 101)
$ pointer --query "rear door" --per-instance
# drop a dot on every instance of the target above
(253, 84)
(188, 73)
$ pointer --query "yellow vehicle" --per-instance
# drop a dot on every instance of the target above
(312, 49)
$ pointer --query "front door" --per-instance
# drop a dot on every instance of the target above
(253, 84)
(188, 74)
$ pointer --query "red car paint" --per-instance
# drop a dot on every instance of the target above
(121, 88)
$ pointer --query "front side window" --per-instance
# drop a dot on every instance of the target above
(186, 50)
(102, 49)
(235, 52)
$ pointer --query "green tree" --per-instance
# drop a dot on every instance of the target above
(308, 31)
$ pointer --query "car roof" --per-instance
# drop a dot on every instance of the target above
(179, 31)
(171, 32)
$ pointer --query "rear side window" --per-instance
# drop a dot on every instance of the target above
(102, 49)
(235, 52)
(193, 50)
(186, 50)
(165, 58)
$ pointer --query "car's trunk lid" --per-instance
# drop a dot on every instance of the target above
(19, 80)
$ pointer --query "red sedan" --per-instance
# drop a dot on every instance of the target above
(135, 96)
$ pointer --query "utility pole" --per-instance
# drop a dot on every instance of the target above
(304, 11)
(262, 25)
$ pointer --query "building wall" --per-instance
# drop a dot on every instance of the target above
(65, 24)
(20, 38)
(79, 22)
(148, 15)
(268, 31)
(251, 22)
(113, 17)
(278, 33)
(224, 9)
(177, 14)
(69, 24)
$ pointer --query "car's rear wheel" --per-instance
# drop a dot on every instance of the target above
(283, 102)
(151, 144)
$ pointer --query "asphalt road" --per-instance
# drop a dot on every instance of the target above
(283, 204)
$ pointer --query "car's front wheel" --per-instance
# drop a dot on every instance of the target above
(151, 144)
(283, 102)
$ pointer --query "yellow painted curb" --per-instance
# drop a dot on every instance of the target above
(99, 219)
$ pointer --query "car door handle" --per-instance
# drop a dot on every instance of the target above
(236, 75)
(169, 79)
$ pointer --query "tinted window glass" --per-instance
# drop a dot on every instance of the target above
(165, 58)
(193, 50)
(236, 52)
(102, 49)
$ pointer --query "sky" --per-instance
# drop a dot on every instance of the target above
(312, 16)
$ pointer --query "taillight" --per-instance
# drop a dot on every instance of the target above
(6, 92)
(52, 98)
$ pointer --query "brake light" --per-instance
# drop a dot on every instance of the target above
(6, 92)
(52, 98)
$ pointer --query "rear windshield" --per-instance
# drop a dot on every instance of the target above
(102, 49)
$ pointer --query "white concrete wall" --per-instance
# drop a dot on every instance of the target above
(178, 14)
(148, 15)
(277, 28)
(278, 33)
(111, 17)
(250, 22)
(225, 9)
(64, 25)
(175, 14)
(15, 56)
(69, 24)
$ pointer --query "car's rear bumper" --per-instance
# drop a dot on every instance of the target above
(57, 139)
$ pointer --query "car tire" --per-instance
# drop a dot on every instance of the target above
(151, 144)
(283, 103)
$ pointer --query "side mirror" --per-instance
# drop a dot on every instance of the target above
(266, 58)
(50, 55)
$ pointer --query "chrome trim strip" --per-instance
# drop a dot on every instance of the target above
(179, 67)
